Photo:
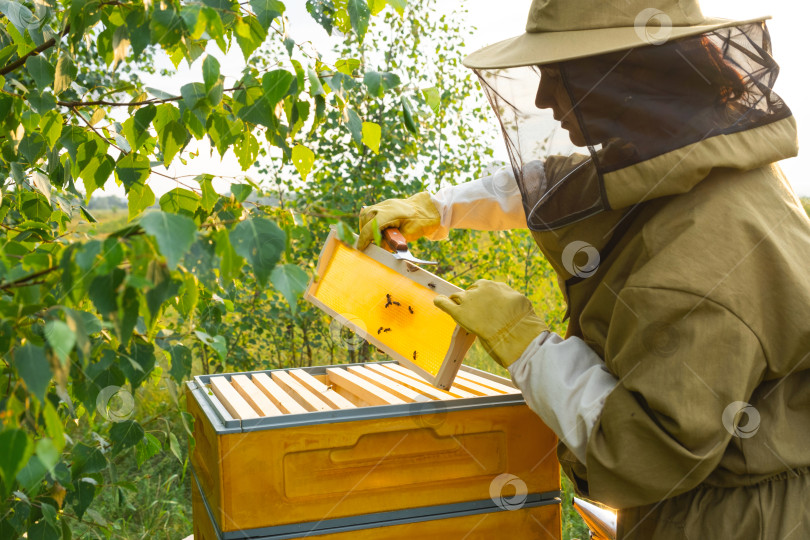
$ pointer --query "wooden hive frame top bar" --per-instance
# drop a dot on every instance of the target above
(291, 392)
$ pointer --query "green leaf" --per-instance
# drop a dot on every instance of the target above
(229, 262)
(261, 242)
(223, 131)
(323, 12)
(47, 453)
(303, 158)
(32, 147)
(138, 363)
(85, 492)
(42, 184)
(172, 138)
(371, 136)
(267, 11)
(398, 5)
(315, 86)
(86, 459)
(276, 84)
(359, 14)
(378, 82)
(180, 201)
(189, 295)
(103, 291)
(61, 338)
(217, 343)
(174, 447)
(209, 196)
(139, 198)
(241, 191)
(407, 114)
(210, 69)
(65, 74)
(53, 426)
(41, 70)
(132, 169)
(249, 34)
(51, 126)
(125, 434)
(355, 125)
(251, 106)
(164, 286)
(33, 366)
(246, 150)
(146, 448)
(43, 530)
(128, 315)
(432, 98)
(17, 448)
(291, 281)
(120, 45)
(136, 127)
(174, 234)
(376, 6)
(34, 206)
(347, 65)
(181, 362)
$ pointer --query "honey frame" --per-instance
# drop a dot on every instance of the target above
(460, 342)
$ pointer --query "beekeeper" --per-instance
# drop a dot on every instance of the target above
(681, 392)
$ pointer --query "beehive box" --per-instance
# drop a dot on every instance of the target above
(369, 451)
(389, 303)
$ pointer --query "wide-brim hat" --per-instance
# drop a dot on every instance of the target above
(559, 30)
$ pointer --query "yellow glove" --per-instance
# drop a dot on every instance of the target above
(502, 318)
(415, 217)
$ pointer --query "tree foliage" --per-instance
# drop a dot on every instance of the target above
(87, 319)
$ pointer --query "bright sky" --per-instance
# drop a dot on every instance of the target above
(787, 31)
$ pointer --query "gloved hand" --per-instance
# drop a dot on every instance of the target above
(415, 217)
(502, 318)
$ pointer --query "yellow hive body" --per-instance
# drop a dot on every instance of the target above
(406, 446)
(390, 303)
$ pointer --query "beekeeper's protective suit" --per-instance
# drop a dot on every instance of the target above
(681, 392)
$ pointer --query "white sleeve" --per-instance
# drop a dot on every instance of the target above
(566, 384)
(491, 203)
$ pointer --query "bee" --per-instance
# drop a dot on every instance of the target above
(396, 303)
(432, 285)
(410, 309)
(380, 329)
(386, 329)
(387, 300)
(414, 355)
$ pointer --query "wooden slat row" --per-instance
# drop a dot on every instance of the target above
(295, 391)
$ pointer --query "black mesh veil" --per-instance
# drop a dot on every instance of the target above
(567, 124)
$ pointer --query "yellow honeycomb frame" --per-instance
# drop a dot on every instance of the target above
(389, 303)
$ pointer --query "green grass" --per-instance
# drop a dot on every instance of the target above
(107, 221)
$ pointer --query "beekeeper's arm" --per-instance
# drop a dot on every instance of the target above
(683, 364)
(491, 203)
(563, 381)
